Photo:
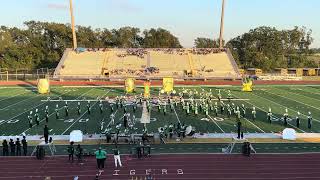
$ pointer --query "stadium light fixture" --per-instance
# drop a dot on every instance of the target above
(74, 36)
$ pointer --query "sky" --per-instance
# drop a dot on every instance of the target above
(186, 19)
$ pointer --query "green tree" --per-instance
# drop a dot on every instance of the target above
(268, 48)
(126, 37)
(160, 38)
(206, 43)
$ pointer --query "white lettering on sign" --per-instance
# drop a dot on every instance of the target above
(180, 171)
(116, 172)
(1, 121)
(164, 171)
(132, 172)
(148, 171)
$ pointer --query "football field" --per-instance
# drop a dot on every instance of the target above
(17, 102)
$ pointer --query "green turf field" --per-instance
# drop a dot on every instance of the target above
(17, 102)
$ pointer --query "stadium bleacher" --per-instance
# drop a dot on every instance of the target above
(121, 63)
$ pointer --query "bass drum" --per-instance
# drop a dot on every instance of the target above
(190, 131)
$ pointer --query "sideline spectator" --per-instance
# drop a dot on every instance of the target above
(12, 147)
(117, 159)
(139, 150)
(101, 156)
(46, 133)
(71, 151)
(24, 146)
(5, 148)
(79, 151)
(18, 145)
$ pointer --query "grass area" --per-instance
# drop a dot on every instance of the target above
(17, 102)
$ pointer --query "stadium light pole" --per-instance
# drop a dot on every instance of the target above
(74, 36)
(222, 25)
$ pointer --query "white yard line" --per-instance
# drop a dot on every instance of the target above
(11, 92)
(302, 95)
(292, 100)
(82, 115)
(13, 96)
(54, 112)
(40, 121)
(284, 106)
(26, 111)
(216, 124)
(280, 105)
(254, 125)
(73, 100)
(310, 91)
(248, 119)
(176, 115)
(93, 100)
(216, 99)
(76, 120)
(19, 102)
(83, 95)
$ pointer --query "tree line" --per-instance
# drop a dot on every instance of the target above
(41, 44)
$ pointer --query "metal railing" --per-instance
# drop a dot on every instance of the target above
(24, 74)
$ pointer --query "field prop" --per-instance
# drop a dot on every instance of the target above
(43, 86)
(167, 85)
(130, 85)
(247, 85)
(147, 86)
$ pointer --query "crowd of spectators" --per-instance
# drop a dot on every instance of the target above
(171, 51)
(127, 72)
(140, 72)
(98, 49)
(152, 70)
(205, 51)
(140, 53)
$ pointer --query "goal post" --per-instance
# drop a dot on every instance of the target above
(5, 74)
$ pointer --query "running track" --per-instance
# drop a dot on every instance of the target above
(195, 167)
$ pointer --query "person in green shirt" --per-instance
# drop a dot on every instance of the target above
(101, 156)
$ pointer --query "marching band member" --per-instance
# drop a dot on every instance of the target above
(57, 111)
(298, 120)
(254, 113)
(269, 114)
(285, 118)
(309, 120)
(79, 108)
